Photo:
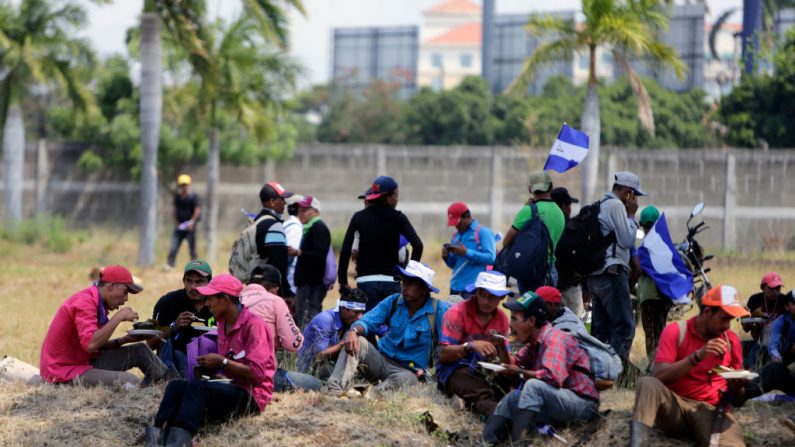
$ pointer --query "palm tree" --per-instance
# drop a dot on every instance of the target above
(183, 20)
(628, 28)
(37, 51)
(248, 81)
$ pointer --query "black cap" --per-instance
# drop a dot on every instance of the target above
(273, 190)
(561, 196)
(265, 272)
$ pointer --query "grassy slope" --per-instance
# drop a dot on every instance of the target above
(33, 282)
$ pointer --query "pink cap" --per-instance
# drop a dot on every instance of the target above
(454, 213)
(120, 275)
(772, 280)
(223, 283)
(309, 202)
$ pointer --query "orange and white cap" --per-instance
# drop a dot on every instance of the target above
(725, 297)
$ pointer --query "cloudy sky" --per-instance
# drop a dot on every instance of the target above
(310, 35)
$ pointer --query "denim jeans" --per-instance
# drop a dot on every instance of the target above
(374, 365)
(189, 405)
(613, 321)
(556, 405)
(378, 290)
(176, 241)
(171, 357)
(308, 303)
(111, 366)
(291, 380)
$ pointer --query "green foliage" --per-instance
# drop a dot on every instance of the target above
(51, 231)
(370, 117)
(761, 109)
(90, 162)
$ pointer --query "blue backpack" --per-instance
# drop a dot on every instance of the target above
(527, 259)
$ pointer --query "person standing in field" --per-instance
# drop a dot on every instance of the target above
(568, 280)
(187, 210)
(470, 251)
(311, 266)
(379, 226)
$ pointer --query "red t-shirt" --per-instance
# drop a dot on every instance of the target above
(64, 353)
(699, 383)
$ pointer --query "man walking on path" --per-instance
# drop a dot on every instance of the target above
(470, 251)
(613, 320)
(187, 210)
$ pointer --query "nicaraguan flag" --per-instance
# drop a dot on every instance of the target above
(660, 260)
(569, 150)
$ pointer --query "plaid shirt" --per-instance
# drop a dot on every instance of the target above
(559, 360)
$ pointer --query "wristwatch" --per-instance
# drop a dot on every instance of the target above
(225, 362)
(468, 347)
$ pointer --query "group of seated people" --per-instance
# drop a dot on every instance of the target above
(231, 370)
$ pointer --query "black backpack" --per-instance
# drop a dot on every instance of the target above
(527, 259)
(582, 247)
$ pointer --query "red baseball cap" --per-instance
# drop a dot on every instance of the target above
(772, 280)
(549, 294)
(120, 275)
(725, 297)
(223, 283)
(454, 213)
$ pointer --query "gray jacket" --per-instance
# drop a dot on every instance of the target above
(613, 217)
(569, 322)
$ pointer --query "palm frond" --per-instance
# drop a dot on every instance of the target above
(645, 112)
(545, 53)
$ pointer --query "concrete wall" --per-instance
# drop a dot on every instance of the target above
(757, 187)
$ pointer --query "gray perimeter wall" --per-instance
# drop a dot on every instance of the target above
(749, 195)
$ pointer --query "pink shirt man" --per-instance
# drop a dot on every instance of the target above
(274, 312)
(64, 353)
(249, 341)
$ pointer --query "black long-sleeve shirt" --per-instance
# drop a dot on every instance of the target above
(272, 245)
(379, 227)
(311, 265)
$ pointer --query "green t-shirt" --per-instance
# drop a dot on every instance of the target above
(550, 214)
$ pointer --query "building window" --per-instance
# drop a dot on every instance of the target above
(436, 84)
(436, 60)
(466, 60)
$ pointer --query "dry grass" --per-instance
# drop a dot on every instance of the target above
(33, 283)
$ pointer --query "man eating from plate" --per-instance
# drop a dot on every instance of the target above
(686, 395)
(78, 347)
(475, 330)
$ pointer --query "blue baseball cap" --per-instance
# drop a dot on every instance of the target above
(381, 186)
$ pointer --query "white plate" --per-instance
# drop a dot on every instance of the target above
(747, 375)
(144, 332)
(491, 366)
(202, 328)
(220, 380)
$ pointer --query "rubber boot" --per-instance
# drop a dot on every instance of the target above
(524, 426)
(153, 436)
(496, 429)
(179, 437)
(638, 434)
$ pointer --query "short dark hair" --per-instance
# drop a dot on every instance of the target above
(292, 209)
(538, 309)
(617, 187)
(354, 295)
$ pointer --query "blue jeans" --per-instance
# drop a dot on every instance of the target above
(558, 405)
(171, 357)
(291, 380)
(613, 321)
(378, 290)
(176, 241)
(189, 405)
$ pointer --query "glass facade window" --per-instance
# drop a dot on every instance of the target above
(466, 60)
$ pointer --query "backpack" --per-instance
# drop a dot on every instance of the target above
(605, 363)
(330, 275)
(205, 344)
(244, 255)
(582, 246)
(527, 259)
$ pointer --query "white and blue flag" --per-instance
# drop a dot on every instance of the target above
(660, 260)
(569, 150)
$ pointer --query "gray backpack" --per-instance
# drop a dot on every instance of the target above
(244, 255)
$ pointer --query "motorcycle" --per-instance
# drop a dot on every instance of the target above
(693, 255)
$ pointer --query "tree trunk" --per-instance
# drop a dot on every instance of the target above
(150, 115)
(13, 163)
(591, 125)
(213, 179)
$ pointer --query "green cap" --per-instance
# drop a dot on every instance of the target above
(523, 302)
(197, 265)
(540, 181)
(649, 215)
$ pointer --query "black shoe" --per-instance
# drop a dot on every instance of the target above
(496, 429)
(638, 434)
(179, 437)
(153, 436)
(524, 425)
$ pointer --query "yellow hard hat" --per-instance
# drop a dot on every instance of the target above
(183, 179)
